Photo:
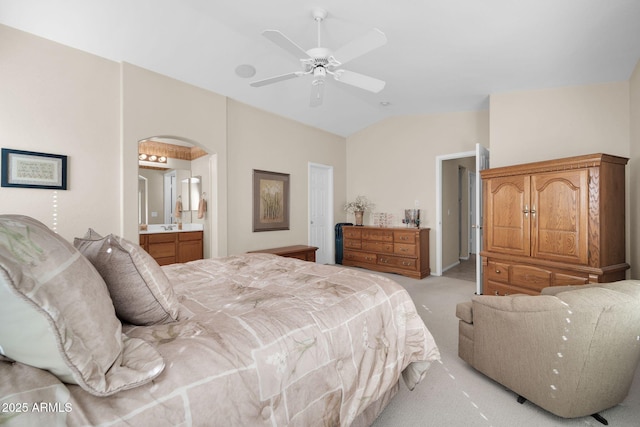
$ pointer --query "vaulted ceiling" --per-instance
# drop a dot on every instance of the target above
(441, 55)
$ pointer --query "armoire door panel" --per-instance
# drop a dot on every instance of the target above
(560, 203)
(507, 204)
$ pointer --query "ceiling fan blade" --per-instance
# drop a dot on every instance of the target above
(276, 79)
(359, 80)
(285, 43)
(317, 93)
(358, 47)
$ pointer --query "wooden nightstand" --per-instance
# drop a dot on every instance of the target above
(303, 252)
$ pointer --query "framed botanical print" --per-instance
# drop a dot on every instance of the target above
(270, 201)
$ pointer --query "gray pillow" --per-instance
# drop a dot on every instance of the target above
(141, 292)
(56, 313)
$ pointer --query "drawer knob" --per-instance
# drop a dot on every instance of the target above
(497, 271)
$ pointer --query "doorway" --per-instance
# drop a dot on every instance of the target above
(454, 221)
(481, 157)
(321, 233)
(175, 166)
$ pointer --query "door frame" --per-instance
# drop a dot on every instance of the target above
(329, 232)
(439, 161)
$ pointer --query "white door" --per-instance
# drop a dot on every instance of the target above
(472, 212)
(482, 162)
(321, 233)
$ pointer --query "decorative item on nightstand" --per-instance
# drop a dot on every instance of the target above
(358, 207)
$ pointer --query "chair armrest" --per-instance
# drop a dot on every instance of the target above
(464, 311)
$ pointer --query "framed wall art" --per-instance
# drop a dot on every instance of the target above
(270, 201)
(28, 169)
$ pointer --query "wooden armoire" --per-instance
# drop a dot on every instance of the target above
(553, 223)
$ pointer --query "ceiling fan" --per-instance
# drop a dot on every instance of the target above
(320, 61)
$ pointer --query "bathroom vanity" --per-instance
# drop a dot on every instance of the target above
(168, 245)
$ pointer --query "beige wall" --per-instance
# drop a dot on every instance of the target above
(62, 101)
(634, 173)
(547, 124)
(264, 141)
(393, 162)
(156, 105)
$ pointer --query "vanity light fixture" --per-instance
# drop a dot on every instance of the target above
(152, 158)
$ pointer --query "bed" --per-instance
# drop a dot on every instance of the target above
(96, 333)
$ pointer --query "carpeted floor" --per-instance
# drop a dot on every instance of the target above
(466, 270)
(454, 394)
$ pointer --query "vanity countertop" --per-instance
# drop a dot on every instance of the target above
(171, 228)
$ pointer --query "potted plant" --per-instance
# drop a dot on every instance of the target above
(358, 207)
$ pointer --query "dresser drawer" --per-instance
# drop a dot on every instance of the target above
(378, 235)
(495, 288)
(560, 279)
(399, 262)
(190, 235)
(406, 250)
(404, 237)
(529, 277)
(162, 250)
(351, 233)
(359, 257)
(380, 247)
(351, 243)
(162, 237)
(497, 271)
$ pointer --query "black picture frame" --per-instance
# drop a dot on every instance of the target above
(29, 169)
(270, 201)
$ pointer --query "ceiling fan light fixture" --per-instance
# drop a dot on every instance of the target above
(319, 73)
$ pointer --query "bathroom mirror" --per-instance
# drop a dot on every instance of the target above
(191, 191)
(143, 203)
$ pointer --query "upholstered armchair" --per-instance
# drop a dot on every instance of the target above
(572, 350)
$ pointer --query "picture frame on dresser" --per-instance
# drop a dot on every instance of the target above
(270, 201)
(30, 169)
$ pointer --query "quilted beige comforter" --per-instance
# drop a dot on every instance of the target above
(268, 341)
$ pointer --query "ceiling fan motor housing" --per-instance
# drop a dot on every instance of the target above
(320, 57)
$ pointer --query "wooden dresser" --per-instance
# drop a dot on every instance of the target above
(169, 248)
(394, 250)
(559, 222)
